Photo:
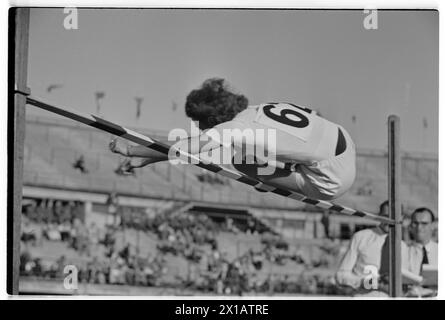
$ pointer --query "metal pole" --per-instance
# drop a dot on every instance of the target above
(18, 44)
(395, 231)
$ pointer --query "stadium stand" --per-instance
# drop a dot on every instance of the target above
(230, 239)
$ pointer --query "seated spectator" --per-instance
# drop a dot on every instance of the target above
(299, 256)
(37, 268)
(422, 250)
(364, 250)
(117, 273)
(258, 260)
(109, 239)
(45, 211)
(65, 231)
(28, 233)
(368, 249)
(78, 211)
(30, 210)
(79, 236)
(101, 277)
(25, 263)
(250, 226)
(125, 253)
(51, 232)
(67, 212)
(60, 266)
(140, 278)
(57, 212)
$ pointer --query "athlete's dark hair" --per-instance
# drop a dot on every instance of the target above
(214, 103)
(424, 209)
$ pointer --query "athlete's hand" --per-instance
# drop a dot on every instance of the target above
(118, 147)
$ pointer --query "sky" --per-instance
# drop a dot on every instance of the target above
(325, 60)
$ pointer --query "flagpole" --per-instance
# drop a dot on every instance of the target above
(98, 107)
(139, 101)
(99, 95)
(354, 127)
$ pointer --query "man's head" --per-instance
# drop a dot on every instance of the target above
(213, 103)
(422, 225)
(384, 212)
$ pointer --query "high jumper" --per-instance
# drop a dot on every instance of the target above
(320, 153)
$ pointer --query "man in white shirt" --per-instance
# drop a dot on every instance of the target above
(363, 256)
(423, 251)
(367, 257)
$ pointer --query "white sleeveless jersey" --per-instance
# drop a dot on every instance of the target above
(324, 149)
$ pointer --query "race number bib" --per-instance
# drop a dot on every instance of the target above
(296, 121)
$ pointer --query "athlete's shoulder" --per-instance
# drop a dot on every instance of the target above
(247, 114)
(368, 233)
(364, 232)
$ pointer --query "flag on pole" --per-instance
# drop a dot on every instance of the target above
(138, 106)
(99, 95)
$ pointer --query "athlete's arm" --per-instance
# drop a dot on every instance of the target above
(193, 145)
(118, 146)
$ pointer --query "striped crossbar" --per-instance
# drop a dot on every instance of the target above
(104, 125)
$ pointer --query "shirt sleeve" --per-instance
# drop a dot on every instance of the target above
(345, 275)
(405, 257)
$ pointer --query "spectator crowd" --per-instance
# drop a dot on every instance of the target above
(193, 237)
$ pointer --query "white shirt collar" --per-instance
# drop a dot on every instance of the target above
(427, 246)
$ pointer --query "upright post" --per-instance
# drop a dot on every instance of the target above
(17, 91)
(395, 208)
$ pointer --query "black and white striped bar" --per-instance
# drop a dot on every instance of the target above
(104, 125)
